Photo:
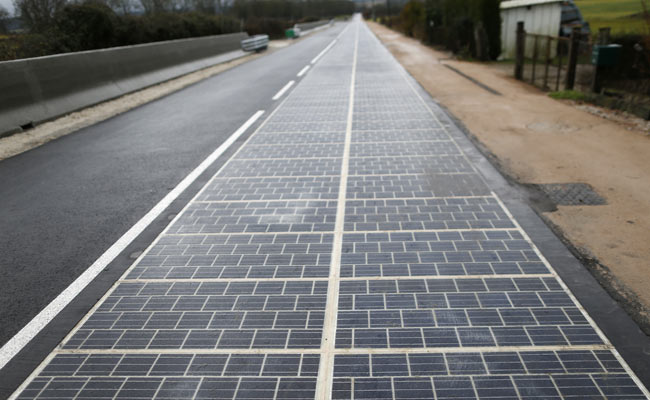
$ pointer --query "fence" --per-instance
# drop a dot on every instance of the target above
(561, 63)
(554, 63)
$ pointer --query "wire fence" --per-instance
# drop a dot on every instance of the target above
(619, 80)
(546, 62)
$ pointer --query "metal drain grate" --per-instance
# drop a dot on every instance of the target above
(572, 194)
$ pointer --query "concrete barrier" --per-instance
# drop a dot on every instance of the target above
(311, 25)
(34, 90)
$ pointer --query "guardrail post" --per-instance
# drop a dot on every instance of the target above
(573, 59)
(520, 51)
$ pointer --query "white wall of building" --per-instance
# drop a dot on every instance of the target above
(543, 19)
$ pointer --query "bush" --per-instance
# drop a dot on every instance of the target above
(413, 19)
(170, 26)
(273, 27)
(90, 25)
(308, 19)
(25, 46)
(490, 16)
(454, 24)
(291, 10)
(635, 57)
(85, 26)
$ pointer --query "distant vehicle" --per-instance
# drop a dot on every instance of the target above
(292, 33)
(571, 17)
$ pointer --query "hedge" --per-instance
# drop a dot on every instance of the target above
(454, 24)
(92, 25)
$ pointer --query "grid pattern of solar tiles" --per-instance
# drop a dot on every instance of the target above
(440, 296)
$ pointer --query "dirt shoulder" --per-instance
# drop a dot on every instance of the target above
(538, 140)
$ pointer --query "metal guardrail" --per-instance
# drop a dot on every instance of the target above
(255, 43)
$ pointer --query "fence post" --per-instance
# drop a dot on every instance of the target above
(573, 59)
(604, 35)
(549, 42)
(560, 50)
(520, 51)
(532, 79)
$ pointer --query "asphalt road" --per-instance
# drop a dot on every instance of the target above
(63, 204)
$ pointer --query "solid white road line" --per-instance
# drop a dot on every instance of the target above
(342, 32)
(284, 89)
(329, 46)
(363, 351)
(29, 331)
(302, 71)
(328, 341)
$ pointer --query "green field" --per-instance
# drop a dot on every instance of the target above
(623, 16)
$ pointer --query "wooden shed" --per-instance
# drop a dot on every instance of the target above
(543, 17)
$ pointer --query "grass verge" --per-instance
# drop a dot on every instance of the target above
(623, 16)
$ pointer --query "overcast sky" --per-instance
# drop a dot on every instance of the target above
(8, 4)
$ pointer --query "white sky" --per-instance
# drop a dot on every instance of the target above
(8, 4)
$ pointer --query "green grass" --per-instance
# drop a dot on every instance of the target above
(615, 100)
(569, 95)
(623, 16)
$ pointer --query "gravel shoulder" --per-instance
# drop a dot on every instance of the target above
(534, 139)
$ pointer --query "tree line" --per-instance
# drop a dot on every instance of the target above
(39, 15)
(58, 26)
(471, 28)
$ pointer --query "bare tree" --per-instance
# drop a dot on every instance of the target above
(121, 6)
(38, 14)
(182, 5)
(222, 6)
(156, 6)
(4, 15)
(205, 6)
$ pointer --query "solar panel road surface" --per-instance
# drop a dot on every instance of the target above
(349, 250)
